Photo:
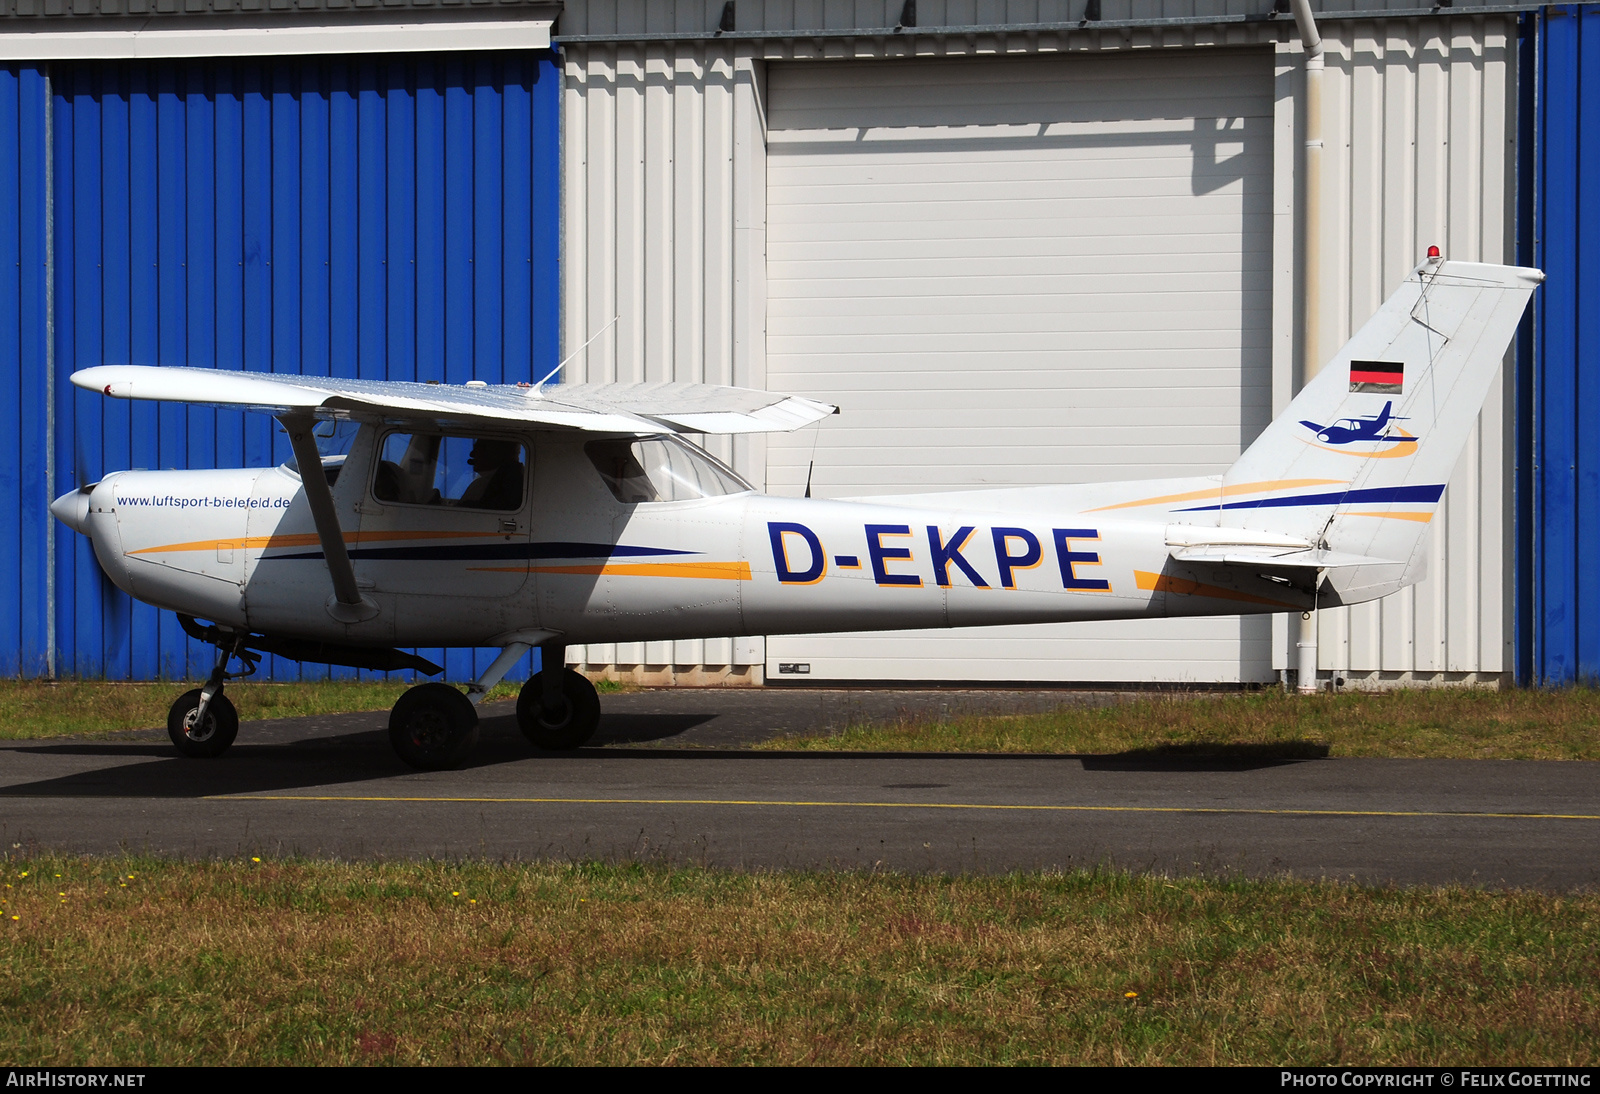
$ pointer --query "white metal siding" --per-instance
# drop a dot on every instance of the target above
(644, 144)
(1420, 132)
(649, 193)
(1031, 270)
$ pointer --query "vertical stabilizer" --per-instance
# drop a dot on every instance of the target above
(1359, 460)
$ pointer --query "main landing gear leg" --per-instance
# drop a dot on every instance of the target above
(434, 726)
(203, 722)
(496, 672)
(558, 709)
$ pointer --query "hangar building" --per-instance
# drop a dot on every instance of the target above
(1018, 241)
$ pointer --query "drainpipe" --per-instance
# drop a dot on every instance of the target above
(1310, 282)
(50, 485)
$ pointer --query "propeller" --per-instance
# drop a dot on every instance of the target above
(116, 607)
(80, 463)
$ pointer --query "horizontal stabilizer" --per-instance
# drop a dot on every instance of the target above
(1304, 558)
(1202, 536)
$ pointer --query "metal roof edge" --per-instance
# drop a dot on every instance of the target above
(974, 29)
(300, 33)
(225, 14)
(97, 42)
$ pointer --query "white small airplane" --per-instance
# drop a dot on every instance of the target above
(520, 517)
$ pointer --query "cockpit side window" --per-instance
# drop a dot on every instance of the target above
(468, 472)
(661, 469)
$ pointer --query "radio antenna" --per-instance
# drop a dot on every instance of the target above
(815, 433)
(573, 354)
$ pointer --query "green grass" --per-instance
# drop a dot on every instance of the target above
(34, 708)
(137, 962)
(1461, 723)
(1442, 723)
(37, 708)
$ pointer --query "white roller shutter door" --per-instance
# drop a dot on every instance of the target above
(1025, 270)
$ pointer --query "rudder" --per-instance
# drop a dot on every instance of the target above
(1358, 461)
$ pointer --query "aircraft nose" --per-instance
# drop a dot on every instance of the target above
(72, 509)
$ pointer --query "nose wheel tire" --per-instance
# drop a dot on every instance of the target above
(433, 727)
(202, 740)
(562, 729)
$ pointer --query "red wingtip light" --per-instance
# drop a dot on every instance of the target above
(1433, 252)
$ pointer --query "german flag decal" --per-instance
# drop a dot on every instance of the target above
(1379, 377)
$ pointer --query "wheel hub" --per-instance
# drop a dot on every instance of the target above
(430, 729)
(559, 718)
(195, 731)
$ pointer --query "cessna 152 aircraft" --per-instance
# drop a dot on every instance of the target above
(520, 517)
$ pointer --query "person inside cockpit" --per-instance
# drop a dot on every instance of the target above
(499, 475)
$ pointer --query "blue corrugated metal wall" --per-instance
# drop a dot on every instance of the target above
(376, 217)
(1559, 415)
(24, 364)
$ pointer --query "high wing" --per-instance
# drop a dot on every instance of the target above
(602, 408)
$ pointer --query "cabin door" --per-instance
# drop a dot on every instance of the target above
(445, 524)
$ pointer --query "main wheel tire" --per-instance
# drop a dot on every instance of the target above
(560, 730)
(433, 727)
(202, 740)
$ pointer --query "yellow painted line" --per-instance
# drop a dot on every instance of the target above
(904, 805)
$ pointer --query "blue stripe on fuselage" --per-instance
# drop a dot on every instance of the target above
(493, 552)
(1428, 494)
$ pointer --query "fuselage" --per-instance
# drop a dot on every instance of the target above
(239, 548)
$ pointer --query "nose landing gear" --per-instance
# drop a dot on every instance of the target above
(202, 735)
(203, 722)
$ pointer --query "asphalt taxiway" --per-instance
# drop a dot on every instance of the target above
(671, 779)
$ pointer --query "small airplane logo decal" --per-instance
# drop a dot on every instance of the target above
(1378, 429)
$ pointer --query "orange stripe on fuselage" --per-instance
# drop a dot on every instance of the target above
(1222, 492)
(1161, 583)
(718, 571)
(1422, 518)
(307, 539)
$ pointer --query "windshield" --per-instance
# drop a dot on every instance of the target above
(334, 439)
(661, 469)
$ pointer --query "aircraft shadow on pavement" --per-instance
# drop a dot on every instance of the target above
(1209, 757)
(1197, 758)
(620, 729)
(365, 756)
(290, 764)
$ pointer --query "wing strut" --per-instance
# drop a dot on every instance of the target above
(348, 605)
